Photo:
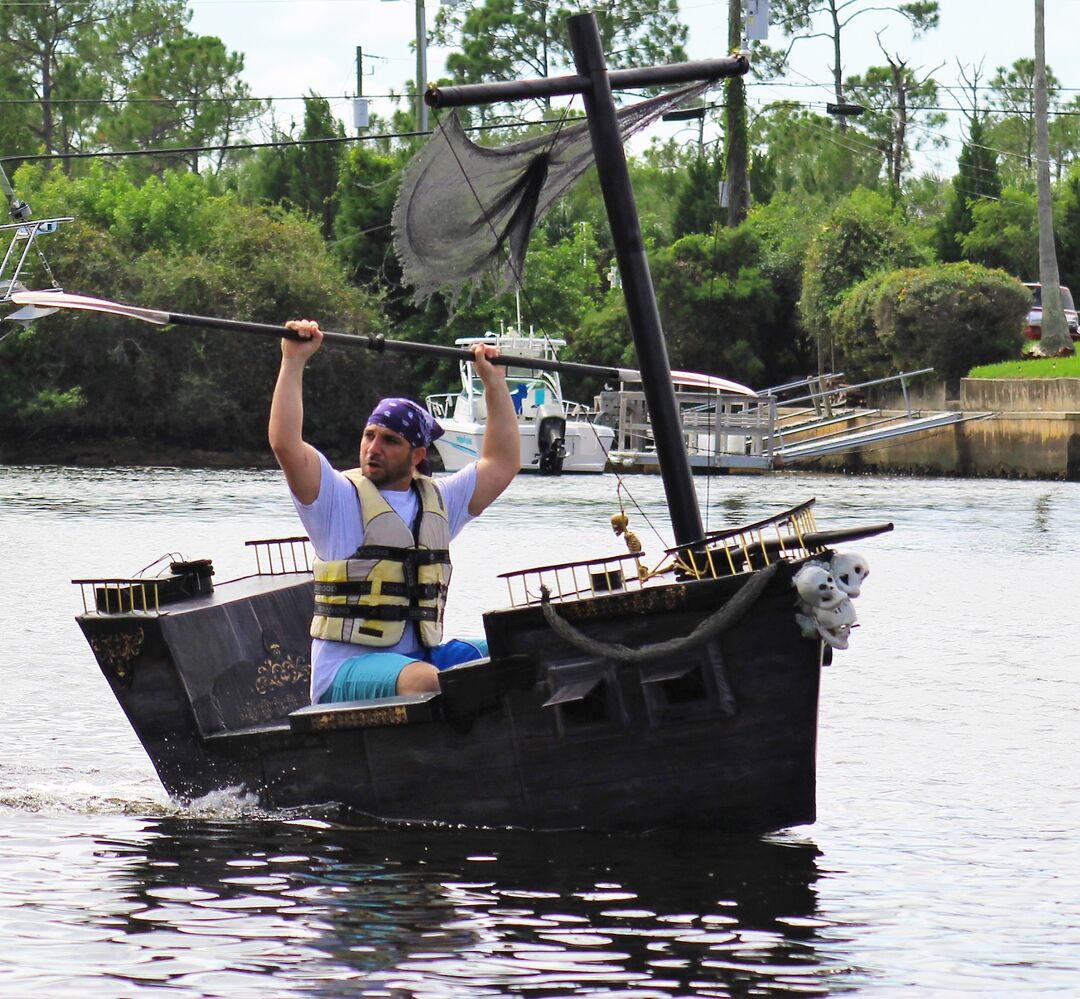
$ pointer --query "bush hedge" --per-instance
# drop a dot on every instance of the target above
(950, 317)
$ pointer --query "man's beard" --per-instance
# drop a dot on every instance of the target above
(388, 472)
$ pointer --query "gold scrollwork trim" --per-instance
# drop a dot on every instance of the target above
(369, 718)
(281, 671)
(670, 598)
(117, 651)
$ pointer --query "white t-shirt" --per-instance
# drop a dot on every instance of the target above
(336, 530)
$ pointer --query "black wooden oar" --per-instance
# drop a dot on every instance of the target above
(62, 300)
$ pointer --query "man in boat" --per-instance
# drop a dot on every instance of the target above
(381, 532)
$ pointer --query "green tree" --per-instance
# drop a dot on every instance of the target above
(174, 243)
(697, 208)
(976, 179)
(895, 98)
(716, 304)
(507, 39)
(71, 56)
(862, 235)
(17, 113)
(1005, 234)
(303, 176)
(806, 153)
(1012, 131)
(368, 184)
(784, 229)
(187, 92)
(1067, 228)
(604, 337)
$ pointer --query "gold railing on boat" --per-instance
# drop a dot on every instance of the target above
(120, 596)
(146, 594)
(278, 556)
(591, 577)
(786, 535)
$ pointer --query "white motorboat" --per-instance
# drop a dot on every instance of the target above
(556, 435)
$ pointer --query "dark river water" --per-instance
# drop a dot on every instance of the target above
(945, 860)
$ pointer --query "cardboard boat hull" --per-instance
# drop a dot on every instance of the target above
(541, 736)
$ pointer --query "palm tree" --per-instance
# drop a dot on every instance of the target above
(1055, 337)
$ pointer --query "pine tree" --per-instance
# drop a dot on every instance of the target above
(977, 177)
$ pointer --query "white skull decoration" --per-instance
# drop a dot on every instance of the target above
(834, 624)
(816, 587)
(825, 591)
(849, 570)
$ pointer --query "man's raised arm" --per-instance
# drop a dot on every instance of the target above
(298, 459)
(500, 456)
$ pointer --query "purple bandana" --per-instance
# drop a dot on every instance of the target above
(409, 420)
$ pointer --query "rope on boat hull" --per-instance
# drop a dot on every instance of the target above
(720, 620)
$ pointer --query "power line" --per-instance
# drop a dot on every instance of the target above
(186, 100)
(280, 143)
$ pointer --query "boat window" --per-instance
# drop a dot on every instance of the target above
(691, 687)
(681, 683)
(581, 699)
(592, 709)
(687, 688)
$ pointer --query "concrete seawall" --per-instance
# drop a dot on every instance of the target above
(1034, 433)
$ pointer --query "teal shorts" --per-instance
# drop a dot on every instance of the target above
(374, 674)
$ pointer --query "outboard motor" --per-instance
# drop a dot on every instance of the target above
(551, 443)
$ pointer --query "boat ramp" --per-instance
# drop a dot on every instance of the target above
(775, 428)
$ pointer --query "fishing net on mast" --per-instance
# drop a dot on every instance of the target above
(464, 211)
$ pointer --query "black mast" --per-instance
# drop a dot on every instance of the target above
(641, 310)
(593, 82)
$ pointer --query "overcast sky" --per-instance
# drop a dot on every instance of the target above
(293, 47)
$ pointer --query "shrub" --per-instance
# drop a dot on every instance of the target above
(861, 353)
(951, 317)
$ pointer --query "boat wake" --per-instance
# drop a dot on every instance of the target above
(227, 804)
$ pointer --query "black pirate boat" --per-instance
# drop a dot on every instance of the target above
(613, 698)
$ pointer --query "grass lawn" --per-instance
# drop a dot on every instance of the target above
(1036, 367)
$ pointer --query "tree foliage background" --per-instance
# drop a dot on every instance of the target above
(838, 210)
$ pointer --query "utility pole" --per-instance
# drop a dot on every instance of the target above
(421, 66)
(736, 144)
(1054, 338)
(360, 106)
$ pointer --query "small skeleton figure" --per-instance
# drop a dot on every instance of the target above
(849, 570)
(619, 522)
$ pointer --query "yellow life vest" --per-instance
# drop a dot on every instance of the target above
(399, 574)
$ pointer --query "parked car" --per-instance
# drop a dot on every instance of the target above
(1033, 326)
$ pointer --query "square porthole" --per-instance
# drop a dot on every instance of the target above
(582, 699)
(693, 687)
(689, 688)
(591, 710)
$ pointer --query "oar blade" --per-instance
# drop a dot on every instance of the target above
(63, 300)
